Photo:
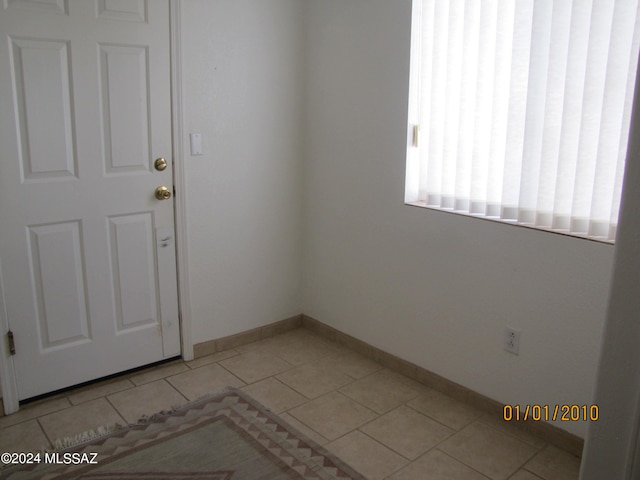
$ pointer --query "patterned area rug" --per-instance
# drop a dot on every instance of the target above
(228, 436)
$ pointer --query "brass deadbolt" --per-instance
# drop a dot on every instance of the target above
(160, 164)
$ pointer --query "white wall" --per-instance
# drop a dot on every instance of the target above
(612, 449)
(243, 91)
(264, 204)
(434, 288)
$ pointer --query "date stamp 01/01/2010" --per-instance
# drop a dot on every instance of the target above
(545, 413)
(52, 458)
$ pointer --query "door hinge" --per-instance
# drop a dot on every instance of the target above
(416, 134)
(12, 343)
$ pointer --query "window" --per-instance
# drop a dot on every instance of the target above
(520, 110)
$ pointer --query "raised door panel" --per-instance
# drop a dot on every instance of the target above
(125, 108)
(127, 10)
(43, 109)
(59, 284)
(134, 271)
(47, 6)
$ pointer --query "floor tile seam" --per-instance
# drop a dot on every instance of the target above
(377, 372)
(524, 465)
(216, 362)
(143, 371)
(306, 399)
(513, 436)
(455, 430)
(536, 450)
(335, 389)
(150, 381)
(275, 378)
(69, 405)
(49, 397)
(355, 379)
(265, 351)
(384, 370)
(121, 415)
(51, 442)
(463, 463)
(186, 399)
(316, 398)
(336, 347)
(408, 461)
(338, 389)
(294, 389)
(70, 393)
(306, 425)
(529, 471)
(539, 448)
(305, 362)
(133, 385)
(252, 382)
(230, 373)
(28, 419)
(46, 435)
(279, 357)
(435, 447)
(291, 367)
(452, 432)
(379, 414)
(237, 352)
(58, 396)
(371, 409)
(366, 408)
(168, 377)
(35, 417)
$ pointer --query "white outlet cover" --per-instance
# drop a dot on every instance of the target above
(195, 141)
(512, 340)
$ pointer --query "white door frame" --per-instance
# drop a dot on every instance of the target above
(8, 387)
(179, 180)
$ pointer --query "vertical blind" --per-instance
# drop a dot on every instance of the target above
(523, 108)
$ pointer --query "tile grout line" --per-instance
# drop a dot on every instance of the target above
(51, 443)
(468, 466)
(125, 423)
(352, 380)
(171, 385)
(378, 415)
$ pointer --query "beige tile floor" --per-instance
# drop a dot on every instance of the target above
(381, 423)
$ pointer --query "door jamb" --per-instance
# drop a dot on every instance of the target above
(177, 130)
(8, 385)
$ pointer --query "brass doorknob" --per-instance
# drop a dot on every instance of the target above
(163, 193)
(160, 164)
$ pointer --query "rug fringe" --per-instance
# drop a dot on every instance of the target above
(88, 436)
(146, 419)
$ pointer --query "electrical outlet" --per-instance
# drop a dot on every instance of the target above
(512, 340)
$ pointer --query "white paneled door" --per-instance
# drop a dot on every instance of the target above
(87, 256)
